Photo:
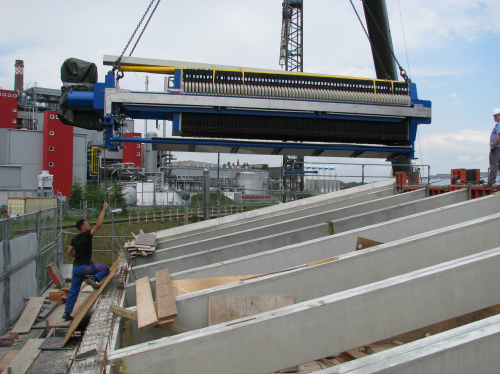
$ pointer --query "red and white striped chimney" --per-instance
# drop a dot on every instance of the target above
(19, 77)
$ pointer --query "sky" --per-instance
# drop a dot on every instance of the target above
(450, 48)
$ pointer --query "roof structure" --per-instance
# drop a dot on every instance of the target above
(356, 272)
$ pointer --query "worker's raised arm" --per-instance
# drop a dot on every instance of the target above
(100, 220)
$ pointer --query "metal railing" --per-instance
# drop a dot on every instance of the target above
(178, 214)
(28, 243)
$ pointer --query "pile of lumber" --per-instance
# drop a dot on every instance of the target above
(142, 244)
(159, 312)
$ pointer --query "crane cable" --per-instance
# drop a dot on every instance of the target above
(402, 71)
(117, 63)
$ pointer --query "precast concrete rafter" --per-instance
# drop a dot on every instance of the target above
(326, 325)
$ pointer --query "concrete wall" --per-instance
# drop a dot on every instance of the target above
(317, 328)
(10, 176)
(80, 158)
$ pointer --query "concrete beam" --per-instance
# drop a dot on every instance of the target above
(225, 235)
(240, 248)
(274, 210)
(316, 328)
(472, 348)
(294, 255)
(353, 269)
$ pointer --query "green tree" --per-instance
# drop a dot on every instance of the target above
(265, 167)
(95, 194)
(75, 194)
(116, 195)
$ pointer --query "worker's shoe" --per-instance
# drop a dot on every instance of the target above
(66, 316)
(92, 282)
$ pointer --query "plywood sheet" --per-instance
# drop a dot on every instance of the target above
(54, 319)
(27, 319)
(227, 308)
(22, 362)
(146, 313)
(83, 309)
(165, 297)
(184, 286)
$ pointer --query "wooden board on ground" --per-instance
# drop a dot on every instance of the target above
(29, 315)
(165, 297)
(166, 325)
(82, 310)
(7, 359)
(223, 309)
(363, 243)
(54, 319)
(184, 286)
(146, 313)
(22, 362)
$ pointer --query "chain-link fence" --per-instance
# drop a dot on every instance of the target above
(28, 243)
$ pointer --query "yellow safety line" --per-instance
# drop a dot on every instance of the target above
(392, 84)
(169, 69)
(243, 74)
(375, 90)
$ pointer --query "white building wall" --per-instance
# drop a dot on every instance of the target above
(80, 158)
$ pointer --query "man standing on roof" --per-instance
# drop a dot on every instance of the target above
(494, 148)
(81, 250)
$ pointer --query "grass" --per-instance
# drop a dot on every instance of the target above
(124, 229)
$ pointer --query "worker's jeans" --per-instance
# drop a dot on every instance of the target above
(79, 272)
(494, 164)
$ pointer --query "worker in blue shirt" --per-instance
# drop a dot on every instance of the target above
(494, 148)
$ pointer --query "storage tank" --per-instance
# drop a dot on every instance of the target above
(321, 179)
(130, 195)
(251, 183)
(150, 156)
(332, 179)
(307, 178)
(45, 181)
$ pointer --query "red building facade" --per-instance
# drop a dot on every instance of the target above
(8, 109)
(133, 151)
(58, 151)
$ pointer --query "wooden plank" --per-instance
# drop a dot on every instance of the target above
(165, 297)
(146, 314)
(363, 243)
(27, 319)
(7, 359)
(325, 260)
(184, 286)
(144, 253)
(83, 309)
(55, 318)
(135, 236)
(22, 362)
(122, 312)
(146, 248)
(227, 308)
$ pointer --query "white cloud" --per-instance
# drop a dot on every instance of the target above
(454, 95)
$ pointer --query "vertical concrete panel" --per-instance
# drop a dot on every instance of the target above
(80, 157)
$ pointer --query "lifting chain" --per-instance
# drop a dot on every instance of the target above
(402, 71)
(117, 63)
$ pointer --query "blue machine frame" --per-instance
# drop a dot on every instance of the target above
(162, 106)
